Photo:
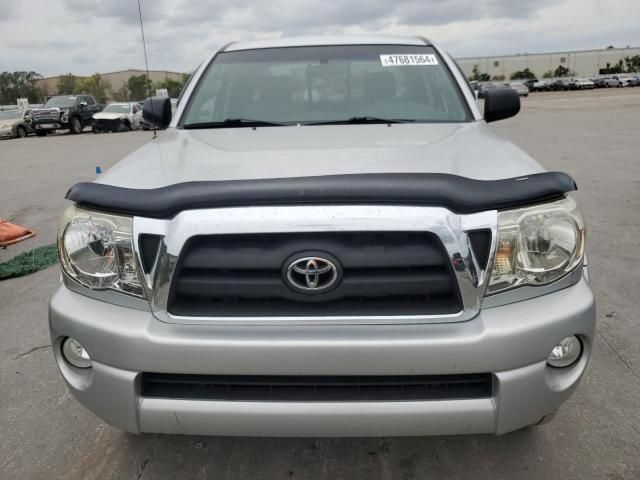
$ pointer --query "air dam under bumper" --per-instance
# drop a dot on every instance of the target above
(510, 341)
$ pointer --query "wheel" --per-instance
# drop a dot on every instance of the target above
(76, 125)
(21, 132)
(125, 126)
(41, 133)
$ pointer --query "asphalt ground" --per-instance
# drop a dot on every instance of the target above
(45, 433)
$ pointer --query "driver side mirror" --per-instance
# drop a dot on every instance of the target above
(157, 111)
(83, 104)
(500, 103)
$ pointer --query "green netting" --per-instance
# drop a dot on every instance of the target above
(29, 262)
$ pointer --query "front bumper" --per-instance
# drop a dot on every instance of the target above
(511, 342)
(109, 124)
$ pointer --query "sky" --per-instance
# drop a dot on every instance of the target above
(88, 36)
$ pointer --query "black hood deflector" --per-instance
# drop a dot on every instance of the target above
(459, 194)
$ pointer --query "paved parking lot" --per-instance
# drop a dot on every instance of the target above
(44, 433)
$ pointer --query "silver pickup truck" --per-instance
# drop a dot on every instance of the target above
(326, 240)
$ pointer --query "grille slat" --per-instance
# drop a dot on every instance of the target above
(269, 284)
(384, 273)
(317, 388)
(380, 250)
(45, 114)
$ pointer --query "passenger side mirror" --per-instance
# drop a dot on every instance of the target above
(83, 104)
(500, 103)
(157, 111)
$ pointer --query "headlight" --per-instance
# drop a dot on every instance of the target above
(96, 249)
(537, 245)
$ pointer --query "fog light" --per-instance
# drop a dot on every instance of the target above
(75, 353)
(565, 353)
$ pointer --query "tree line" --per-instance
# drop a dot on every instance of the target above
(14, 85)
(22, 84)
(136, 88)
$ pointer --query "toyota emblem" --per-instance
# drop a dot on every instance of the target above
(312, 274)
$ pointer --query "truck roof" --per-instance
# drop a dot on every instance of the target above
(321, 40)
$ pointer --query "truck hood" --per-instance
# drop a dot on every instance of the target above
(470, 150)
(109, 116)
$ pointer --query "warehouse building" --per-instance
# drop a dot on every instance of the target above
(115, 80)
(584, 63)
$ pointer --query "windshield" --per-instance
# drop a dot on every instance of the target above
(61, 102)
(10, 115)
(117, 108)
(306, 85)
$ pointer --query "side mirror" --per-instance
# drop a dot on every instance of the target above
(157, 111)
(83, 104)
(500, 103)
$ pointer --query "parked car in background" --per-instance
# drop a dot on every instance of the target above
(73, 112)
(528, 82)
(118, 117)
(629, 80)
(613, 81)
(474, 86)
(483, 87)
(560, 84)
(581, 84)
(519, 87)
(14, 123)
(541, 86)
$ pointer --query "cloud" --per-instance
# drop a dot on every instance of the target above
(296, 15)
(125, 11)
(85, 36)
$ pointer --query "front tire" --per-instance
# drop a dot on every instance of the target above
(124, 126)
(76, 126)
(21, 132)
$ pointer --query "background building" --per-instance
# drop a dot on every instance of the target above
(584, 63)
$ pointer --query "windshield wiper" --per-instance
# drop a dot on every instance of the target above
(233, 123)
(362, 120)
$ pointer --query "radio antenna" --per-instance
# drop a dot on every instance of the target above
(146, 64)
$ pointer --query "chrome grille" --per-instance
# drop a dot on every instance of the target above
(44, 115)
(168, 293)
(383, 273)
